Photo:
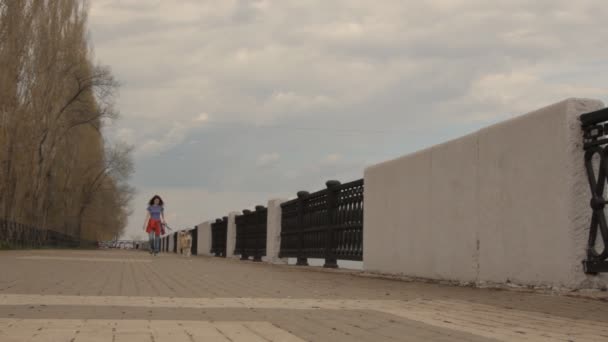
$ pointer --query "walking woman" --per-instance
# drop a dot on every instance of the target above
(155, 218)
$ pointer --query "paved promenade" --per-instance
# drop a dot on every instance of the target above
(130, 296)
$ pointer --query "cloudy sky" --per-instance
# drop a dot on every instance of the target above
(232, 102)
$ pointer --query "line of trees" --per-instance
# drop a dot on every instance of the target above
(56, 170)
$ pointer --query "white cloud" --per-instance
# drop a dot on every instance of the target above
(203, 117)
(332, 158)
(268, 159)
(266, 61)
(426, 68)
(123, 134)
(175, 134)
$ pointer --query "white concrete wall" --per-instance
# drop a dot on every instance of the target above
(506, 204)
(231, 235)
(273, 232)
(204, 238)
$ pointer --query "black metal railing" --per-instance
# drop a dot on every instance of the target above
(194, 235)
(219, 234)
(348, 222)
(16, 235)
(174, 247)
(251, 230)
(595, 144)
(290, 229)
(326, 224)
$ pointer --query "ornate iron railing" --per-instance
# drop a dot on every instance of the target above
(16, 235)
(290, 229)
(175, 238)
(326, 224)
(251, 231)
(595, 144)
(348, 222)
(219, 233)
(194, 235)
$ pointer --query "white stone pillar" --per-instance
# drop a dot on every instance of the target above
(273, 232)
(204, 238)
(231, 235)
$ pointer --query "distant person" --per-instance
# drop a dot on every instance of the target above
(155, 219)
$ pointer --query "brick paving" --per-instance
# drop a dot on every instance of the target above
(109, 295)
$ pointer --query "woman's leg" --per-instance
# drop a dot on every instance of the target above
(157, 244)
(151, 241)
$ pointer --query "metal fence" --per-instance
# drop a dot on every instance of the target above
(326, 224)
(174, 246)
(16, 235)
(595, 144)
(194, 246)
(251, 230)
(219, 234)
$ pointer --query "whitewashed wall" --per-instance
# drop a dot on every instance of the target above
(508, 203)
(204, 238)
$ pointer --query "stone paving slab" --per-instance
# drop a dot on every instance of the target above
(70, 295)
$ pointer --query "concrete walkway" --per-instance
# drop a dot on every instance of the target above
(131, 296)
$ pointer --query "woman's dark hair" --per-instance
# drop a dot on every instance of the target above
(159, 199)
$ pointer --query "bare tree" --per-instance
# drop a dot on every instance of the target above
(54, 168)
(112, 178)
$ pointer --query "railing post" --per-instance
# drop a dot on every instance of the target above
(302, 259)
(225, 237)
(2, 232)
(256, 222)
(332, 197)
(216, 238)
(194, 244)
(21, 237)
(14, 236)
(244, 237)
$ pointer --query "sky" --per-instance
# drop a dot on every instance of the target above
(230, 103)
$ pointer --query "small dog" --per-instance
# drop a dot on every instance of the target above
(185, 243)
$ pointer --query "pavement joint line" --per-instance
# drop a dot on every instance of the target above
(37, 257)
